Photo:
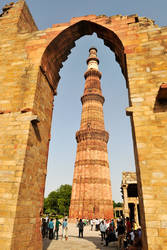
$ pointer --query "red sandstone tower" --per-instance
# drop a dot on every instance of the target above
(91, 189)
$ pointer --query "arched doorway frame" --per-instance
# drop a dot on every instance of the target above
(59, 47)
(128, 51)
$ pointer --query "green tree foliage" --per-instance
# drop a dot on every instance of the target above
(117, 204)
(58, 201)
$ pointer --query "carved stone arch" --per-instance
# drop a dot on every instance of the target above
(60, 47)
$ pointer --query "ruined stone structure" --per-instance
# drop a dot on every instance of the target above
(29, 75)
(91, 189)
(118, 212)
(130, 196)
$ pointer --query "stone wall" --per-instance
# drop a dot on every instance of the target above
(29, 75)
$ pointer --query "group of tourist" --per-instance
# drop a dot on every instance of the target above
(127, 233)
(50, 228)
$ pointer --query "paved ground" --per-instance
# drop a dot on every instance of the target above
(91, 241)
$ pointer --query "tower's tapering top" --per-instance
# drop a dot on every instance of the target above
(93, 48)
(92, 60)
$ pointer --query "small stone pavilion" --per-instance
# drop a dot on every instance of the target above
(118, 212)
(130, 196)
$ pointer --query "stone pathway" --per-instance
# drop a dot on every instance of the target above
(91, 241)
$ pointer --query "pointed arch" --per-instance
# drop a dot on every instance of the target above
(60, 47)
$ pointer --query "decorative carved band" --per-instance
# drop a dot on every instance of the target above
(91, 180)
(91, 162)
(92, 72)
(93, 108)
(95, 97)
(94, 146)
(92, 202)
(92, 58)
(98, 120)
(89, 133)
(92, 83)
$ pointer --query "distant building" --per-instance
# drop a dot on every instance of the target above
(118, 212)
(130, 196)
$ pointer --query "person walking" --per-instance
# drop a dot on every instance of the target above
(51, 227)
(121, 235)
(103, 230)
(47, 226)
(91, 224)
(110, 235)
(44, 228)
(97, 222)
(65, 229)
(113, 225)
(134, 225)
(128, 229)
(57, 228)
(128, 225)
(81, 227)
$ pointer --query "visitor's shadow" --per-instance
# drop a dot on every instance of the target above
(95, 240)
(46, 243)
(98, 243)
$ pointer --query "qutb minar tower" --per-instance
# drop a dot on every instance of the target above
(91, 188)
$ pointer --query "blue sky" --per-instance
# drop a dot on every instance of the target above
(67, 105)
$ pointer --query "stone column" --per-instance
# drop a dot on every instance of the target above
(125, 195)
(136, 214)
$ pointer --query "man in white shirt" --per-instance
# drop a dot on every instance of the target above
(103, 230)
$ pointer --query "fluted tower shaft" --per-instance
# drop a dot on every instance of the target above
(91, 189)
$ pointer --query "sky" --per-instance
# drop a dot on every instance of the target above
(67, 105)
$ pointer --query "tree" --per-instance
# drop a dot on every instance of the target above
(58, 201)
(64, 197)
(117, 204)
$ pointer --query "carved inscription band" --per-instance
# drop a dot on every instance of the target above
(92, 134)
(92, 72)
(91, 97)
(91, 180)
(92, 108)
(102, 148)
(92, 162)
(91, 201)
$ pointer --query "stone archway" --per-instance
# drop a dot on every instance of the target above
(29, 73)
(60, 47)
